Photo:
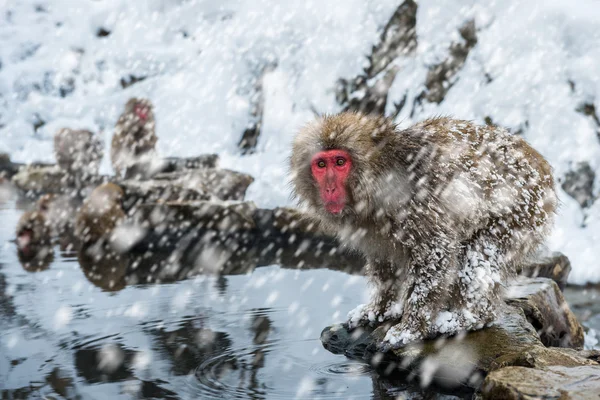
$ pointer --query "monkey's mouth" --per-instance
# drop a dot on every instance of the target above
(335, 207)
(142, 112)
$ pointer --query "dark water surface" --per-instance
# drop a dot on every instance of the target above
(253, 336)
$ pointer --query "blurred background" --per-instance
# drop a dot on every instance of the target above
(215, 69)
(239, 78)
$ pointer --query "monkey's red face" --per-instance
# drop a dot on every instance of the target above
(330, 169)
(141, 111)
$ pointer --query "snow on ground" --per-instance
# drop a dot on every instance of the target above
(535, 63)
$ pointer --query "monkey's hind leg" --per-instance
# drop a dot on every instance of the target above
(386, 301)
(484, 270)
(434, 266)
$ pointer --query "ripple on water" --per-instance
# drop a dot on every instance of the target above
(274, 370)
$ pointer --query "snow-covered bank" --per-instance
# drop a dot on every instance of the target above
(533, 68)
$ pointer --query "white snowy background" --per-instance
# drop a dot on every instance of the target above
(201, 59)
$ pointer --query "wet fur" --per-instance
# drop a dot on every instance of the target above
(443, 211)
(134, 140)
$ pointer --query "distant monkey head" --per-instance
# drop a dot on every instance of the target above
(141, 109)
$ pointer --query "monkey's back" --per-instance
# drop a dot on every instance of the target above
(77, 150)
(486, 178)
(131, 141)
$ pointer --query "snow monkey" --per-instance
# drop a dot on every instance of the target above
(100, 214)
(443, 212)
(78, 152)
(134, 139)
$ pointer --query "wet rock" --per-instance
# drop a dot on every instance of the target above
(465, 359)
(9, 168)
(579, 184)
(223, 184)
(181, 215)
(149, 168)
(547, 311)
(288, 238)
(555, 266)
(175, 164)
(152, 191)
(290, 220)
(555, 382)
(38, 179)
(207, 237)
(34, 179)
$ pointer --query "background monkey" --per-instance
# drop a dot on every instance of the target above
(79, 152)
(443, 211)
(100, 214)
(134, 140)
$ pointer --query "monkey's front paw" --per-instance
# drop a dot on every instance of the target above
(365, 314)
(398, 336)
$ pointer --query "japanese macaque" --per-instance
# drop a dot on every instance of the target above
(34, 236)
(78, 152)
(443, 212)
(134, 140)
(100, 214)
(106, 270)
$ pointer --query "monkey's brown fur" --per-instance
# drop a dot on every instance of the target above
(442, 211)
(134, 139)
(34, 237)
(100, 214)
(78, 152)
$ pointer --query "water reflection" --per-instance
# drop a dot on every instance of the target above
(102, 327)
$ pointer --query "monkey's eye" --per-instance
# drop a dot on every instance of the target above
(340, 161)
(321, 164)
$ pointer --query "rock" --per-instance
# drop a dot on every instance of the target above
(175, 164)
(227, 218)
(249, 139)
(7, 167)
(223, 184)
(547, 311)
(149, 168)
(34, 180)
(466, 359)
(555, 266)
(368, 92)
(555, 382)
(153, 191)
(207, 237)
(441, 76)
(399, 38)
(579, 184)
(37, 179)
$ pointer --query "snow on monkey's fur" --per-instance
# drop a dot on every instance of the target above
(443, 211)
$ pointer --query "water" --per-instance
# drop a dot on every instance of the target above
(251, 336)
(245, 336)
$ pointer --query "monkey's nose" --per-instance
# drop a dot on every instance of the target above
(330, 190)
